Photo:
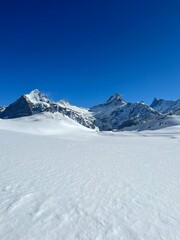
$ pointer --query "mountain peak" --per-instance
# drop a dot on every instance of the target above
(115, 101)
(116, 97)
(35, 91)
(35, 96)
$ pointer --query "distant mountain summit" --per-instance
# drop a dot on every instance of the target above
(116, 99)
(166, 106)
(36, 102)
(112, 103)
(38, 99)
(113, 115)
(116, 113)
(26, 105)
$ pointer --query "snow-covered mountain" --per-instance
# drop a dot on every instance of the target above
(37, 102)
(79, 114)
(27, 105)
(115, 114)
(112, 104)
(166, 106)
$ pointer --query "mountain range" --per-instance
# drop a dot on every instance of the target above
(114, 115)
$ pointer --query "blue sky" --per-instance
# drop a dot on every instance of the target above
(84, 51)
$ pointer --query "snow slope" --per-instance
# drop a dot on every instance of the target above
(60, 181)
(43, 124)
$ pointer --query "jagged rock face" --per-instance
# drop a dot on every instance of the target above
(124, 116)
(27, 105)
(166, 106)
(116, 114)
(38, 101)
(20, 108)
(154, 103)
(79, 114)
(111, 104)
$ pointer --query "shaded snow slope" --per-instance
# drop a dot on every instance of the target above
(85, 185)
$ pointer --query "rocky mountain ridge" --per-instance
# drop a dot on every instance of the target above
(113, 115)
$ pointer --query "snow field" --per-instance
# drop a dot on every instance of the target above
(75, 183)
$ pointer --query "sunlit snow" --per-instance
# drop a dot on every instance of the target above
(62, 181)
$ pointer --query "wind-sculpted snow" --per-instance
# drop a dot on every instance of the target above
(60, 180)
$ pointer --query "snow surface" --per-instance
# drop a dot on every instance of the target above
(43, 124)
(60, 180)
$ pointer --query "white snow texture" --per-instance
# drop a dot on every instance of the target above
(62, 181)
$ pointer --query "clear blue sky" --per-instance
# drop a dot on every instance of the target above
(86, 50)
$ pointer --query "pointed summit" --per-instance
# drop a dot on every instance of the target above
(27, 105)
(115, 101)
(114, 98)
(36, 97)
(35, 91)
